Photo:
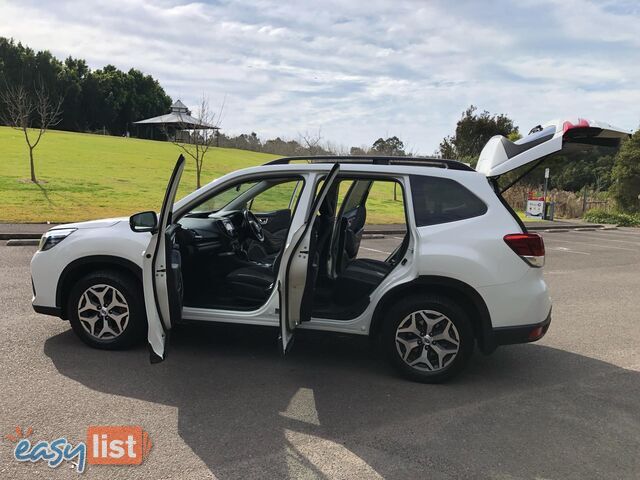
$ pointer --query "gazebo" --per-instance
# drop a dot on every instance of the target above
(178, 124)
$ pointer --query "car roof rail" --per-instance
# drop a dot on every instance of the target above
(376, 160)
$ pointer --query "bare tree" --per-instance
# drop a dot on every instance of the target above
(195, 138)
(31, 112)
(312, 142)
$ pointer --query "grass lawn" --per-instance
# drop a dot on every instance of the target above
(524, 217)
(92, 176)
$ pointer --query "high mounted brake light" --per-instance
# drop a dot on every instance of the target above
(582, 123)
(528, 246)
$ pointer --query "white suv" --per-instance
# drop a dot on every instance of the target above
(279, 245)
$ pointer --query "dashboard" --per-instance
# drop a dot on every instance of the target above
(214, 233)
(229, 227)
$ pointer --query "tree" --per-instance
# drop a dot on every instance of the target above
(392, 146)
(196, 142)
(106, 99)
(626, 175)
(473, 131)
(312, 143)
(24, 110)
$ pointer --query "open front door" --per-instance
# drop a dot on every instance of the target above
(299, 268)
(162, 274)
(500, 155)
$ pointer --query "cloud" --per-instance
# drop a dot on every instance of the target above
(360, 69)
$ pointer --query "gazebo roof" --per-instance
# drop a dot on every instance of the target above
(179, 116)
(178, 106)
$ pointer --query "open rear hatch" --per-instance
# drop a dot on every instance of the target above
(500, 155)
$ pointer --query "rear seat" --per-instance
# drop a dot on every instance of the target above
(360, 277)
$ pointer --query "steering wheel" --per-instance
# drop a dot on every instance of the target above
(253, 224)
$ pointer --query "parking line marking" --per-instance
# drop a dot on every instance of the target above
(374, 250)
(595, 245)
(622, 232)
(568, 250)
(603, 237)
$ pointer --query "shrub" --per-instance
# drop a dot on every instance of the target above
(623, 219)
(626, 175)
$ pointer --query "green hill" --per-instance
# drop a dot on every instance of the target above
(92, 176)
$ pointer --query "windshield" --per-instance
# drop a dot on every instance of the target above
(222, 199)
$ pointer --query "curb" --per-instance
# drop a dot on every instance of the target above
(566, 227)
(20, 236)
(24, 242)
(535, 228)
(374, 233)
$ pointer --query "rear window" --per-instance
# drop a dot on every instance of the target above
(441, 200)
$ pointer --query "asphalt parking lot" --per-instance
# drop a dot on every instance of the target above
(225, 405)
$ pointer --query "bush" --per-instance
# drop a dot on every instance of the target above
(623, 219)
(626, 175)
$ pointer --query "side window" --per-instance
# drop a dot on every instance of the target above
(282, 196)
(442, 200)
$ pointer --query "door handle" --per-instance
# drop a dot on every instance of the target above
(263, 221)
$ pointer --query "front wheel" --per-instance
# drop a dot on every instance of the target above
(428, 338)
(106, 310)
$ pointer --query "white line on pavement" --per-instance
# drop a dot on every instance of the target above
(568, 250)
(374, 250)
(604, 237)
(591, 244)
(624, 233)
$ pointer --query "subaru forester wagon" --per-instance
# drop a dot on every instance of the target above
(280, 245)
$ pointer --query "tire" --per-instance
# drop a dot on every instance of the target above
(121, 324)
(422, 358)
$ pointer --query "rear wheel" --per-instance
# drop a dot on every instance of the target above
(106, 310)
(428, 338)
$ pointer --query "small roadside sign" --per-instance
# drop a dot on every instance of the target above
(535, 208)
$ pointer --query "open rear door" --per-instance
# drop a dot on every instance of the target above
(162, 273)
(299, 268)
(500, 155)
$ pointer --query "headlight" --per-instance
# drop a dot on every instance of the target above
(54, 237)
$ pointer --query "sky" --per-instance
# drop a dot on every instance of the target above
(357, 70)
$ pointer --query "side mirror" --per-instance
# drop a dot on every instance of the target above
(143, 222)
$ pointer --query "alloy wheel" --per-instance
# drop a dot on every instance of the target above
(427, 340)
(103, 312)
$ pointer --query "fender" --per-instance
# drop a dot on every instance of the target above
(472, 301)
(99, 261)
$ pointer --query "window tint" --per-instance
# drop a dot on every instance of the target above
(441, 200)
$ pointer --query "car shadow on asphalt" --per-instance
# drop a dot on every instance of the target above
(333, 405)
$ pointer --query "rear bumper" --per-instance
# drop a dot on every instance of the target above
(521, 333)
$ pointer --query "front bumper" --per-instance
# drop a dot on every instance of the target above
(54, 311)
(521, 333)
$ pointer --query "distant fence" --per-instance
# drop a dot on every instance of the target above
(567, 204)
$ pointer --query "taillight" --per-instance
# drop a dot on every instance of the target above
(529, 246)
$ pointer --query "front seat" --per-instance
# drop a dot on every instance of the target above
(253, 284)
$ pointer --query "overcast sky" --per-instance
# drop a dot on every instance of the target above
(359, 69)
